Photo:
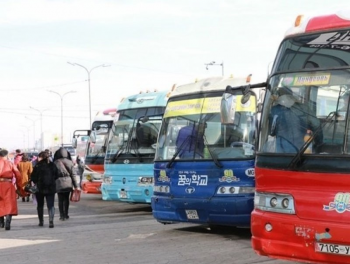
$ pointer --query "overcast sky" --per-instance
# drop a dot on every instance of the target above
(148, 45)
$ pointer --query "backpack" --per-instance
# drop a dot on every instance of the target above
(47, 175)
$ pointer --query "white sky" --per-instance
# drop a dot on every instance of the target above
(149, 45)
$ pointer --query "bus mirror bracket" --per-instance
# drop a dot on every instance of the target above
(74, 142)
(228, 101)
(93, 136)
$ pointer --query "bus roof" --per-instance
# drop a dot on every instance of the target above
(209, 84)
(106, 115)
(338, 20)
(143, 100)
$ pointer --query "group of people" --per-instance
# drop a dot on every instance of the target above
(47, 175)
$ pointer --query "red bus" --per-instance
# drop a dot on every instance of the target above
(95, 149)
(302, 169)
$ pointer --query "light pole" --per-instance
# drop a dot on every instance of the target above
(213, 63)
(88, 72)
(27, 127)
(24, 137)
(41, 125)
(33, 130)
(61, 96)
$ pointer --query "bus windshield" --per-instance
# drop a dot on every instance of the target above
(136, 136)
(311, 104)
(197, 133)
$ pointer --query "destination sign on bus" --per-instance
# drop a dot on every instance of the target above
(307, 79)
(204, 106)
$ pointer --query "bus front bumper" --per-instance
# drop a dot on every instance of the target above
(114, 193)
(226, 211)
(91, 187)
(295, 239)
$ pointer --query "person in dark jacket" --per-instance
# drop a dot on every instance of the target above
(43, 176)
(65, 168)
(290, 120)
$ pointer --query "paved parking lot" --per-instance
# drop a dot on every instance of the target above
(110, 232)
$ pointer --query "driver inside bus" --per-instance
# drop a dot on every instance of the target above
(190, 141)
(289, 122)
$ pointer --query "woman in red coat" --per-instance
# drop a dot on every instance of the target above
(8, 196)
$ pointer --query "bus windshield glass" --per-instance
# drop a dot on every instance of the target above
(135, 133)
(97, 149)
(192, 130)
(307, 105)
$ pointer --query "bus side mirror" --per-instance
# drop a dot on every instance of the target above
(228, 108)
(93, 136)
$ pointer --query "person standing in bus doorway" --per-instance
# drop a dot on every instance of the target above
(65, 168)
(290, 120)
(25, 168)
(80, 164)
(43, 176)
(8, 201)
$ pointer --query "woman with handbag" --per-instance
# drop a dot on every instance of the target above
(25, 167)
(43, 176)
(65, 180)
(8, 201)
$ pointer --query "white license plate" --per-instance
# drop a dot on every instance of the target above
(192, 214)
(332, 249)
(122, 194)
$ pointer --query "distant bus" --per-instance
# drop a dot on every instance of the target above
(96, 149)
(128, 173)
(204, 170)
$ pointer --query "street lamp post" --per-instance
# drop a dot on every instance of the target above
(61, 96)
(213, 63)
(33, 129)
(88, 72)
(27, 127)
(41, 125)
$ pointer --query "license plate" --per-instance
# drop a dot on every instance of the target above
(122, 194)
(332, 249)
(192, 214)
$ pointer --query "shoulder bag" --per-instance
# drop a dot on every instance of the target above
(64, 183)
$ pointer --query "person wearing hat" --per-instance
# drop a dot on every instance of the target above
(290, 121)
(8, 196)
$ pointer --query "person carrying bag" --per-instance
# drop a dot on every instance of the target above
(65, 181)
(43, 176)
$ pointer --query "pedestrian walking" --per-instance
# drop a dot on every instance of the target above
(8, 196)
(25, 168)
(18, 157)
(65, 181)
(80, 164)
(43, 176)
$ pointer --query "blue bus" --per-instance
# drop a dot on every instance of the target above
(128, 175)
(204, 169)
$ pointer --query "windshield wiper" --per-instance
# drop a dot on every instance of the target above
(121, 149)
(214, 158)
(302, 150)
(178, 151)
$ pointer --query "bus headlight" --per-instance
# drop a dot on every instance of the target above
(88, 177)
(235, 190)
(274, 202)
(161, 189)
(145, 180)
(107, 180)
